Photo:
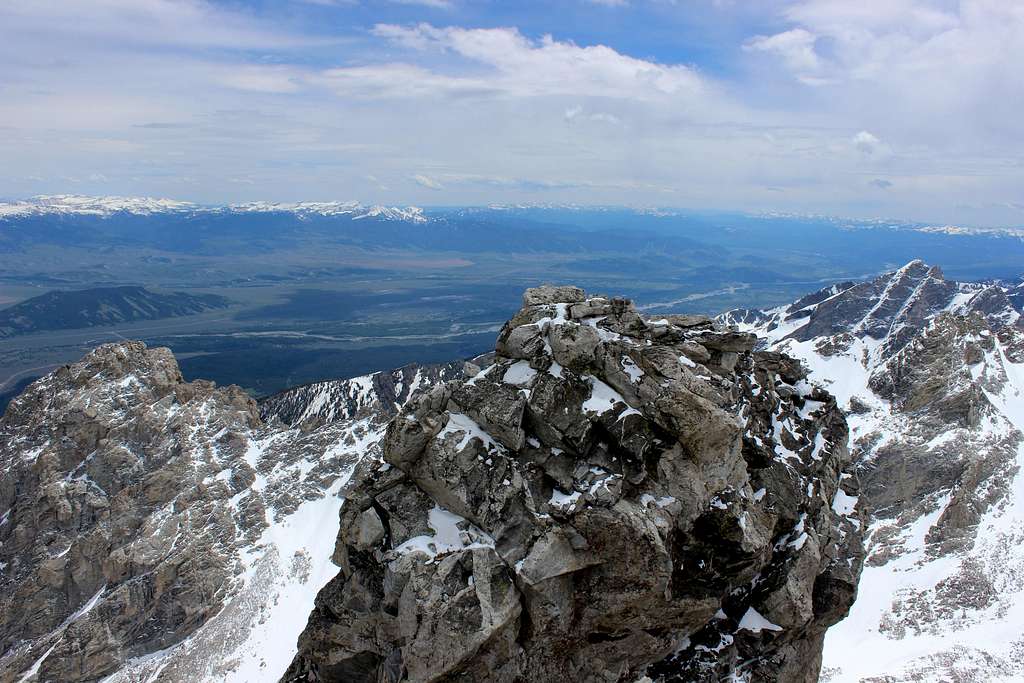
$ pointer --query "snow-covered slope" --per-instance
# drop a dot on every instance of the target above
(931, 373)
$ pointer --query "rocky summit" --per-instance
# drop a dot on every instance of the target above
(611, 498)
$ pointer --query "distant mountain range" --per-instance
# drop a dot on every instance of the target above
(62, 310)
(70, 204)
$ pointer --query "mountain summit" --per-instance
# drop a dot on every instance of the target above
(611, 497)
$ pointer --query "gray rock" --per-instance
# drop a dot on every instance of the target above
(595, 515)
(549, 294)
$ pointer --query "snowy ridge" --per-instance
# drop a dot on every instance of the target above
(355, 210)
(931, 373)
(968, 231)
(106, 207)
(380, 393)
(67, 204)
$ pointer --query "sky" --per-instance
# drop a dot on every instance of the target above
(875, 108)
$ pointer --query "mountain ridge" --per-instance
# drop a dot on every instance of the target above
(107, 207)
(931, 373)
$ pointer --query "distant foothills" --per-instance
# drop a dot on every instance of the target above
(65, 310)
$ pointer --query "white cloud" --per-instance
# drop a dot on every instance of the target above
(436, 4)
(604, 117)
(523, 67)
(795, 47)
(258, 78)
(427, 182)
(866, 143)
(576, 113)
(179, 23)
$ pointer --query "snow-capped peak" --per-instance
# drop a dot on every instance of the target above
(321, 208)
(413, 214)
(96, 206)
(355, 210)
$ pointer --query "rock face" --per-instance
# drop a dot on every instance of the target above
(931, 372)
(611, 497)
(159, 530)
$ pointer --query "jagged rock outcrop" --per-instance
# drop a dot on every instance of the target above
(890, 308)
(161, 530)
(612, 497)
(95, 564)
(930, 371)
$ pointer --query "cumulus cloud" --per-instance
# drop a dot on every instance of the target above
(795, 47)
(524, 67)
(427, 182)
(866, 143)
(916, 54)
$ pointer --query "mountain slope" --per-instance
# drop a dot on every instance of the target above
(61, 310)
(932, 374)
(152, 529)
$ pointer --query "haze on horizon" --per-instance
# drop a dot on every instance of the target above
(904, 109)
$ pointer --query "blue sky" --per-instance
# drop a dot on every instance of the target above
(896, 108)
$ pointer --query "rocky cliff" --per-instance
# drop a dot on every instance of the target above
(162, 530)
(930, 371)
(610, 498)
